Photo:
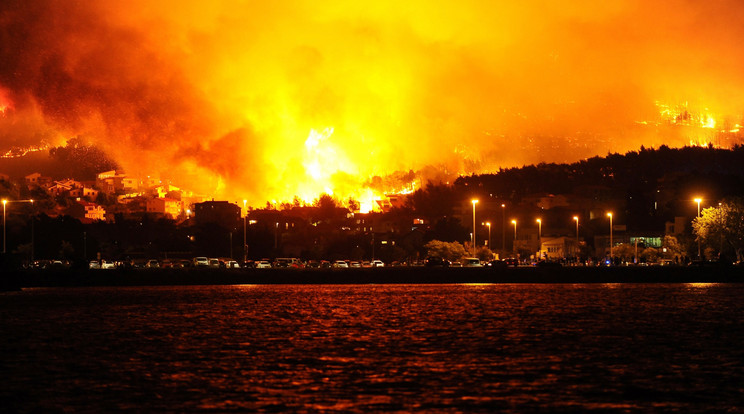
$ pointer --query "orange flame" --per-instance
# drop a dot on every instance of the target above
(219, 96)
(5, 102)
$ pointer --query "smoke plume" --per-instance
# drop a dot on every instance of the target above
(222, 96)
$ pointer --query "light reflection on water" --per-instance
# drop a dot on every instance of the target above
(374, 348)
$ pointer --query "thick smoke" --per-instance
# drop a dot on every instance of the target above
(221, 96)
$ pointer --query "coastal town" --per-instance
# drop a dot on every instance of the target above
(118, 218)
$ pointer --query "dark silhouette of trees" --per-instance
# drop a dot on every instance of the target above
(80, 160)
(636, 171)
(434, 201)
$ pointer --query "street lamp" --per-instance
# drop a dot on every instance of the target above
(32, 231)
(4, 203)
(539, 237)
(576, 218)
(474, 201)
(488, 224)
(245, 250)
(698, 200)
(610, 216)
(503, 227)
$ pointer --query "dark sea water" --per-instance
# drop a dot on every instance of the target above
(374, 348)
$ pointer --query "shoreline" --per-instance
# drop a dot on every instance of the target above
(15, 280)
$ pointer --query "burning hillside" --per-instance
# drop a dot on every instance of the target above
(272, 100)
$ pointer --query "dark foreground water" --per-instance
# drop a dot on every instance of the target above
(371, 348)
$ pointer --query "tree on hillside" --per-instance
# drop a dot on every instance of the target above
(327, 207)
(80, 160)
(722, 227)
(434, 201)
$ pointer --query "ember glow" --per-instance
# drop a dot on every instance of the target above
(276, 100)
(5, 102)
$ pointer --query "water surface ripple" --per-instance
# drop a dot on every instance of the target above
(372, 348)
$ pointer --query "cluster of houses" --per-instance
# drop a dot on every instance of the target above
(112, 193)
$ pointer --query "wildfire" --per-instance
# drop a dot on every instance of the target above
(683, 115)
(329, 169)
(219, 96)
(17, 152)
(697, 127)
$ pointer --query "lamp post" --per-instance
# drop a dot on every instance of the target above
(488, 224)
(610, 216)
(576, 219)
(474, 201)
(539, 238)
(245, 249)
(4, 203)
(32, 231)
(698, 200)
(720, 250)
(514, 245)
(503, 227)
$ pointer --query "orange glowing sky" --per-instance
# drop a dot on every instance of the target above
(264, 100)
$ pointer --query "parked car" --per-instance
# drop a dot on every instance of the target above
(471, 262)
(378, 263)
(263, 264)
(232, 264)
(288, 262)
(436, 261)
(201, 261)
(313, 264)
(340, 264)
(498, 264)
(214, 263)
(152, 263)
(106, 264)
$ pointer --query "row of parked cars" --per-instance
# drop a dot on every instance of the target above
(226, 263)
(290, 263)
(313, 264)
(164, 263)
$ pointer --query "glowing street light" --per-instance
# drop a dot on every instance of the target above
(539, 228)
(32, 230)
(539, 236)
(503, 227)
(610, 216)
(488, 224)
(576, 218)
(698, 200)
(4, 203)
(474, 201)
(245, 249)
